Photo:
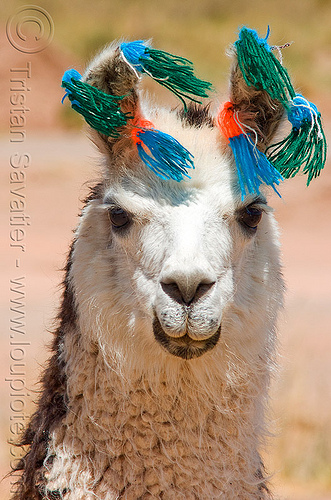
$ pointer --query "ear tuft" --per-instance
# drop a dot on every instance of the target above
(109, 73)
(107, 97)
(260, 68)
(256, 109)
(253, 167)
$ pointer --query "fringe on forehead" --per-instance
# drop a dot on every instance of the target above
(196, 115)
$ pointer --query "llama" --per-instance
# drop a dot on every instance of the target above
(161, 362)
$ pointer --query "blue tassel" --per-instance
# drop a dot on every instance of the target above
(163, 154)
(261, 41)
(253, 166)
(71, 73)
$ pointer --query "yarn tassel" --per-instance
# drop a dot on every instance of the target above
(100, 110)
(161, 152)
(173, 72)
(260, 68)
(305, 147)
(253, 167)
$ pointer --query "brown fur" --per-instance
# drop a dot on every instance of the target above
(256, 108)
(113, 76)
(196, 115)
(51, 407)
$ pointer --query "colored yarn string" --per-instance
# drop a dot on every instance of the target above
(161, 152)
(261, 69)
(253, 167)
(173, 72)
(305, 147)
(100, 110)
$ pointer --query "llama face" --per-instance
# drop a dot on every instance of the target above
(173, 263)
(166, 273)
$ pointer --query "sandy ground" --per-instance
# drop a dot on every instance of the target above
(301, 395)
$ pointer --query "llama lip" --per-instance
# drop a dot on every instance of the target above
(184, 347)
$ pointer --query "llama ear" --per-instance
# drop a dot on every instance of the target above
(109, 73)
(113, 76)
(261, 88)
(255, 109)
(249, 121)
(261, 92)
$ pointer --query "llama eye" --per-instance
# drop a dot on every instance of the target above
(118, 217)
(250, 217)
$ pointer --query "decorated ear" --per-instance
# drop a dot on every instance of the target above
(249, 121)
(107, 97)
(261, 93)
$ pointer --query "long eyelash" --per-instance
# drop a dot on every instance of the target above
(108, 206)
(261, 204)
(259, 201)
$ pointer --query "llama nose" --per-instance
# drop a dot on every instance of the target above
(187, 287)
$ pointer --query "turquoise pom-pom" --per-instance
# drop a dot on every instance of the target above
(71, 73)
(133, 51)
(301, 111)
(261, 41)
(68, 77)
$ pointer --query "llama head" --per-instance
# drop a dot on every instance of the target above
(169, 274)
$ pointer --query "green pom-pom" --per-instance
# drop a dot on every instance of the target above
(304, 148)
(173, 72)
(100, 110)
(261, 69)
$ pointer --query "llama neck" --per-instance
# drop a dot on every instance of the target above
(124, 438)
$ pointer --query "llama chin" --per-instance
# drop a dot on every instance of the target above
(184, 347)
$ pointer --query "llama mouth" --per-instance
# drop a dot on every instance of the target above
(184, 347)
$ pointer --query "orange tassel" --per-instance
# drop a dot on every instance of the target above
(140, 124)
(227, 122)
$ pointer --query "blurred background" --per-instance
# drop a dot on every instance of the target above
(60, 160)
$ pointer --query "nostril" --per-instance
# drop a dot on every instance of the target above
(203, 288)
(172, 290)
(185, 291)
